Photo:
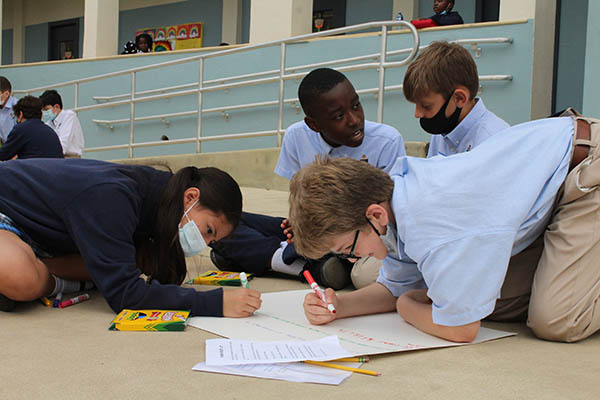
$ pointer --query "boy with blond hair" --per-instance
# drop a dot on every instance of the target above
(455, 228)
(442, 83)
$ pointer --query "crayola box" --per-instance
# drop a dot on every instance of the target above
(150, 320)
(220, 278)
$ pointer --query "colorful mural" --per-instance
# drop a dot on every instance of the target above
(175, 37)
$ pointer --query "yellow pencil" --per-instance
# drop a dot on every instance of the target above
(352, 359)
(358, 370)
(46, 301)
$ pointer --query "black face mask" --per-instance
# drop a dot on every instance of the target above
(439, 123)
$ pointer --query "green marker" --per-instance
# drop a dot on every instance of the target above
(244, 279)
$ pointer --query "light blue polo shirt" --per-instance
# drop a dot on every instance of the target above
(477, 126)
(381, 146)
(7, 118)
(461, 218)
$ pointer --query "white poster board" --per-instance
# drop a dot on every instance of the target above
(281, 317)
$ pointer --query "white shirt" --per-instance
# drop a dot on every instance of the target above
(381, 146)
(461, 218)
(67, 127)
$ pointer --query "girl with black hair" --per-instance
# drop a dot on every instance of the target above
(109, 223)
(143, 43)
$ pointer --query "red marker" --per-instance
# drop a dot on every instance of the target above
(74, 300)
(320, 292)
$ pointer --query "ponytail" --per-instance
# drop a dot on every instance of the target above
(219, 193)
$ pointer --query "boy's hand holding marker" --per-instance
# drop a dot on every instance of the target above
(320, 307)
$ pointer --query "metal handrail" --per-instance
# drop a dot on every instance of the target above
(110, 123)
(373, 56)
(134, 98)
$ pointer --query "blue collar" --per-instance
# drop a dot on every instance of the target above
(458, 134)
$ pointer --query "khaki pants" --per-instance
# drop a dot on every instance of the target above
(565, 281)
(365, 271)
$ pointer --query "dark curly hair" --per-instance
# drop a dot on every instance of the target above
(148, 40)
(30, 106)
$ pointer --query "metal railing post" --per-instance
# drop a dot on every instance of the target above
(75, 96)
(281, 94)
(131, 114)
(380, 91)
(200, 84)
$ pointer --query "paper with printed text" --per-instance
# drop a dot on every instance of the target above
(237, 352)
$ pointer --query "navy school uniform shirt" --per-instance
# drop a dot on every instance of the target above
(447, 18)
(98, 209)
(31, 139)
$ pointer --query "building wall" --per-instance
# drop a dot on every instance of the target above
(7, 46)
(571, 54)
(359, 11)
(134, 14)
(245, 21)
(36, 42)
(206, 11)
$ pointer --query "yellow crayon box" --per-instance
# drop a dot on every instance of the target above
(219, 278)
(150, 320)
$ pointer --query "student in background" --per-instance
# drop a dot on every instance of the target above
(443, 15)
(465, 220)
(442, 83)
(334, 125)
(7, 101)
(79, 220)
(30, 138)
(64, 122)
(143, 43)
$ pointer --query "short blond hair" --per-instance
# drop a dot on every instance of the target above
(440, 68)
(330, 197)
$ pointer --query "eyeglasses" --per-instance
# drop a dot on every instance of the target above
(351, 255)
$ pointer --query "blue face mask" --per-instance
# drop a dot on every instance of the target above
(48, 115)
(191, 239)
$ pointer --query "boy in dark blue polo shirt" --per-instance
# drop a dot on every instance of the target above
(30, 138)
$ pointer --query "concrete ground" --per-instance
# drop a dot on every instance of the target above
(48, 353)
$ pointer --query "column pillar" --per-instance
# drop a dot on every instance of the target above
(101, 28)
(543, 14)
(279, 19)
(231, 25)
